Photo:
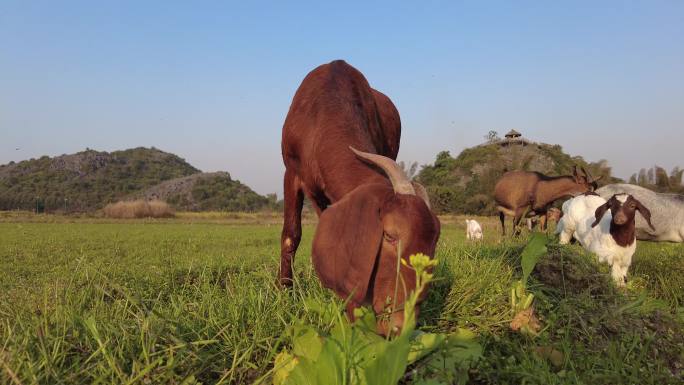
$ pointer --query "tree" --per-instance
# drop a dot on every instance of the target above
(492, 136)
(410, 170)
(633, 179)
(676, 177)
(642, 177)
(662, 179)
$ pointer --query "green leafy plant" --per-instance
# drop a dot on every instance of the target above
(353, 353)
(524, 319)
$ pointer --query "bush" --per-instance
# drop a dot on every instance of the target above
(139, 209)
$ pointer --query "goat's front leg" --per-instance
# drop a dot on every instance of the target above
(619, 275)
(619, 270)
(292, 226)
(564, 231)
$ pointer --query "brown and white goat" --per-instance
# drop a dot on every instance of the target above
(522, 193)
(367, 207)
(605, 228)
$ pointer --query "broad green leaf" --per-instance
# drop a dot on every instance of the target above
(463, 345)
(536, 247)
(450, 362)
(342, 330)
(423, 344)
(307, 343)
(329, 368)
(284, 363)
(390, 362)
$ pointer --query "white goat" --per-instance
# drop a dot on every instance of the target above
(605, 228)
(473, 230)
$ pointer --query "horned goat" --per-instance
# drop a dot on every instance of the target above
(522, 193)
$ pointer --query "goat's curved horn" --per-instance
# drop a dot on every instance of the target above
(586, 174)
(422, 193)
(400, 183)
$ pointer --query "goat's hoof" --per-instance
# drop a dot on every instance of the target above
(285, 282)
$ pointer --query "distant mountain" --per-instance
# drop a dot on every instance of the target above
(208, 192)
(90, 179)
(465, 184)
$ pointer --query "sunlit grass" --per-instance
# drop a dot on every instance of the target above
(194, 299)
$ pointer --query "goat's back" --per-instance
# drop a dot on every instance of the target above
(578, 216)
(335, 108)
(515, 189)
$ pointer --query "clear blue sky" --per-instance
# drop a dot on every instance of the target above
(212, 81)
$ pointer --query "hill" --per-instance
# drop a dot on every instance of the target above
(208, 191)
(465, 184)
(90, 179)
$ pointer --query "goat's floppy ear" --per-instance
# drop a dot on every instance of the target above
(646, 213)
(346, 244)
(600, 211)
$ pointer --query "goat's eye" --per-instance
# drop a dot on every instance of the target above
(390, 238)
(632, 206)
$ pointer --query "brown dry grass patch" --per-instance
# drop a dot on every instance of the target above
(139, 209)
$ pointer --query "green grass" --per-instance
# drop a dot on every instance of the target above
(195, 300)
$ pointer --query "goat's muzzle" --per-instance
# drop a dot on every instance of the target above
(620, 218)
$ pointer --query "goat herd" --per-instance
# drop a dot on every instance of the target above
(339, 144)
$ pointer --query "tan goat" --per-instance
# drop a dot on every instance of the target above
(526, 193)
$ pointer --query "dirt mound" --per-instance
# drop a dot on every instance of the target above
(571, 272)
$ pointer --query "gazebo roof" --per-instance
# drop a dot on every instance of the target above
(513, 134)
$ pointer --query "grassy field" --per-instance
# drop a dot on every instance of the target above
(193, 300)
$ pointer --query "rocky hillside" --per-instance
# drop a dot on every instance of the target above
(90, 179)
(208, 191)
(465, 184)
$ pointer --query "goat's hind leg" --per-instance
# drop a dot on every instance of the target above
(519, 215)
(292, 225)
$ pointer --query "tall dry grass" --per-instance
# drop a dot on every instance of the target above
(139, 209)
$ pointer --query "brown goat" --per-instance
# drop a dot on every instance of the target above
(522, 193)
(367, 207)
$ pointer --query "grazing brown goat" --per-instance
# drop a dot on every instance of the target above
(520, 193)
(340, 140)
